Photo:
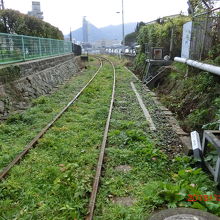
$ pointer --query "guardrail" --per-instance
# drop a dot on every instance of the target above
(17, 48)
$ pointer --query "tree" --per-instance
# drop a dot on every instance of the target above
(14, 22)
(197, 6)
(139, 25)
(130, 39)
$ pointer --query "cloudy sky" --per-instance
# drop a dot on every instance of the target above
(68, 13)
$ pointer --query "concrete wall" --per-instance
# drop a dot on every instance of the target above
(19, 83)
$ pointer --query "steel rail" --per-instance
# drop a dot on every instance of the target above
(102, 152)
(34, 141)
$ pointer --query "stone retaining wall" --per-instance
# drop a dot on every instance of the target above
(19, 83)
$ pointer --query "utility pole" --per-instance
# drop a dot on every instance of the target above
(71, 36)
(71, 40)
(2, 5)
(123, 27)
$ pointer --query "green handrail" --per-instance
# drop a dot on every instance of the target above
(18, 48)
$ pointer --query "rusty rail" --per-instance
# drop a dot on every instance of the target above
(31, 145)
(102, 152)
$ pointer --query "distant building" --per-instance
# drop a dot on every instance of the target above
(85, 30)
(106, 43)
(36, 12)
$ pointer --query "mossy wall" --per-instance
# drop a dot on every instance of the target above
(19, 83)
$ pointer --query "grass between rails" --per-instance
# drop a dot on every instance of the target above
(54, 181)
(155, 181)
(20, 128)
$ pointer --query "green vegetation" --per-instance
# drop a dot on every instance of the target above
(14, 22)
(156, 180)
(9, 71)
(194, 99)
(213, 55)
(131, 39)
(24, 126)
(158, 35)
(198, 6)
(54, 181)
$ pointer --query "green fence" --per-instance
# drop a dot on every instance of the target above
(17, 48)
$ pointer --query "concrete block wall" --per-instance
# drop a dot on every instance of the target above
(19, 83)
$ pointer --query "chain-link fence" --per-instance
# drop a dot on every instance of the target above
(205, 34)
(16, 48)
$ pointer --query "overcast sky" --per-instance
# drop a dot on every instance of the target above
(68, 13)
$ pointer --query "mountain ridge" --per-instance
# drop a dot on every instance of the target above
(110, 32)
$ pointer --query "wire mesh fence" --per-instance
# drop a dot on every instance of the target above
(205, 34)
(17, 48)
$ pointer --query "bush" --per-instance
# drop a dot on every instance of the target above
(194, 99)
(158, 35)
(39, 101)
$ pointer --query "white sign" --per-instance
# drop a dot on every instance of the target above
(186, 40)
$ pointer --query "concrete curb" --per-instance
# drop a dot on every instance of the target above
(183, 136)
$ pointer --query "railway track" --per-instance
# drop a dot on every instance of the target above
(102, 152)
(97, 175)
(42, 133)
(60, 178)
(29, 146)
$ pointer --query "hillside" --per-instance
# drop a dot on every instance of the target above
(111, 32)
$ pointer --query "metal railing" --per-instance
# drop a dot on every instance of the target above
(17, 48)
